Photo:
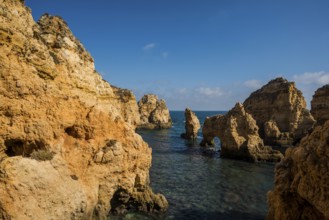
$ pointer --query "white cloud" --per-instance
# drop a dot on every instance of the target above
(149, 46)
(210, 92)
(165, 55)
(253, 84)
(318, 78)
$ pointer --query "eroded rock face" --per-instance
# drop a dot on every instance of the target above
(154, 113)
(238, 134)
(320, 105)
(279, 105)
(192, 125)
(53, 101)
(301, 180)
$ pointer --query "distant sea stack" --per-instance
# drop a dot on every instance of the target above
(279, 109)
(68, 147)
(301, 180)
(320, 105)
(192, 125)
(238, 134)
(154, 113)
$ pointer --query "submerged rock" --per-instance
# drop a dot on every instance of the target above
(301, 180)
(279, 109)
(192, 125)
(238, 134)
(320, 105)
(154, 113)
(67, 137)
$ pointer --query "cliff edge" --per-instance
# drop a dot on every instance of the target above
(68, 149)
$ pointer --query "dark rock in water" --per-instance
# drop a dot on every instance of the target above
(320, 105)
(154, 113)
(279, 109)
(238, 134)
(192, 125)
(301, 180)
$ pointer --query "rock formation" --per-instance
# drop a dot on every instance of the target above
(68, 149)
(279, 109)
(301, 188)
(192, 125)
(154, 113)
(238, 134)
(320, 105)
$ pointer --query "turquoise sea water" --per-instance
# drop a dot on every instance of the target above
(198, 184)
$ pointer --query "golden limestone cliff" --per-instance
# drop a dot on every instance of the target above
(154, 113)
(279, 109)
(192, 125)
(320, 105)
(68, 149)
(238, 134)
(301, 188)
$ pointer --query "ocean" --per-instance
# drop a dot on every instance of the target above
(198, 183)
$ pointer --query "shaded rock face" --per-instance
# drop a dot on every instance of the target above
(154, 113)
(279, 109)
(238, 134)
(301, 180)
(320, 105)
(192, 125)
(67, 139)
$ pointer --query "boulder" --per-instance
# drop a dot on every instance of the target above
(192, 125)
(301, 180)
(67, 137)
(279, 105)
(320, 105)
(238, 134)
(154, 113)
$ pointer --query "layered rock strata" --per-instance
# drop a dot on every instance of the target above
(301, 188)
(320, 105)
(238, 134)
(68, 149)
(154, 113)
(279, 109)
(192, 125)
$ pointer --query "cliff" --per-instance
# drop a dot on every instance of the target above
(279, 109)
(192, 125)
(320, 105)
(301, 180)
(154, 113)
(238, 134)
(68, 149)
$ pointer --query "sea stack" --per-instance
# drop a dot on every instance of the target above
(320, 105)
(301, 180)
(279, 109)
(154, 113)
(192, 125)
(238, 134)
(68, 147)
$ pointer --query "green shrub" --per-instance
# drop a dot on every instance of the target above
(42, 155)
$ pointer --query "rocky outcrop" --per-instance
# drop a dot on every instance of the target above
(238, 134)
(192, 125)
(68, 147)
(301, 180)
(154, 113)
(279, 109)
(320, 105)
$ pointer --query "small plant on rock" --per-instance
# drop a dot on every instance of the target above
(42, 155)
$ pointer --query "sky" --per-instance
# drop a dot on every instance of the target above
(202, 54)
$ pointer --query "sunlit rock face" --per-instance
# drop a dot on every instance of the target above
(301, 180)
(320, 105)
(279, 109)
(68, 147)
(192, 125)
(238, 134)
(154, 113)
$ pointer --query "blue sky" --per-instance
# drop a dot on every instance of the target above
(206, 55)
